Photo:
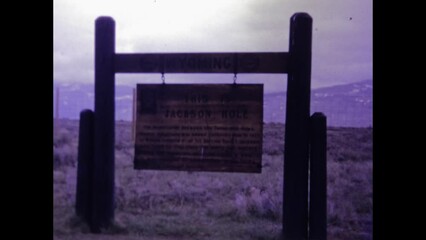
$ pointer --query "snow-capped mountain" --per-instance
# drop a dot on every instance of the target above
(348, 105)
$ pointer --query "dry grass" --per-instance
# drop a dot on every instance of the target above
(204, 205)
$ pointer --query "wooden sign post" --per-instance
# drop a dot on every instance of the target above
(104, 125)
(296, 148)
(234, 128)
(318, 177)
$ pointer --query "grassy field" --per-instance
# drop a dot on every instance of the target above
(161, 205)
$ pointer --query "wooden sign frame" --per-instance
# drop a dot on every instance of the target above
(98, 159)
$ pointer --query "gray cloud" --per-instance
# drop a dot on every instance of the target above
(342, 38)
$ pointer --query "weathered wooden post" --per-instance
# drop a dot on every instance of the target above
(83, 203)
(296, 149)
(134, 115)
(103, 169)
(318, 177)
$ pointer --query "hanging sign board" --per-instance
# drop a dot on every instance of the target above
(199, 127)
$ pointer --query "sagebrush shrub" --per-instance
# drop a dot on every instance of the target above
(62, 138)
(256, 202)
(64, 156)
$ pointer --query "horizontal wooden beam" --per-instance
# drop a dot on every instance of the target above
(270, 62)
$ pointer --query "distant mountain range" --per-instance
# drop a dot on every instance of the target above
(348, 105)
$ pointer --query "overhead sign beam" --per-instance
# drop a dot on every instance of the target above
(267, 62)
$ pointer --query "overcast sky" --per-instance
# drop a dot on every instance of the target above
(341, 50)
